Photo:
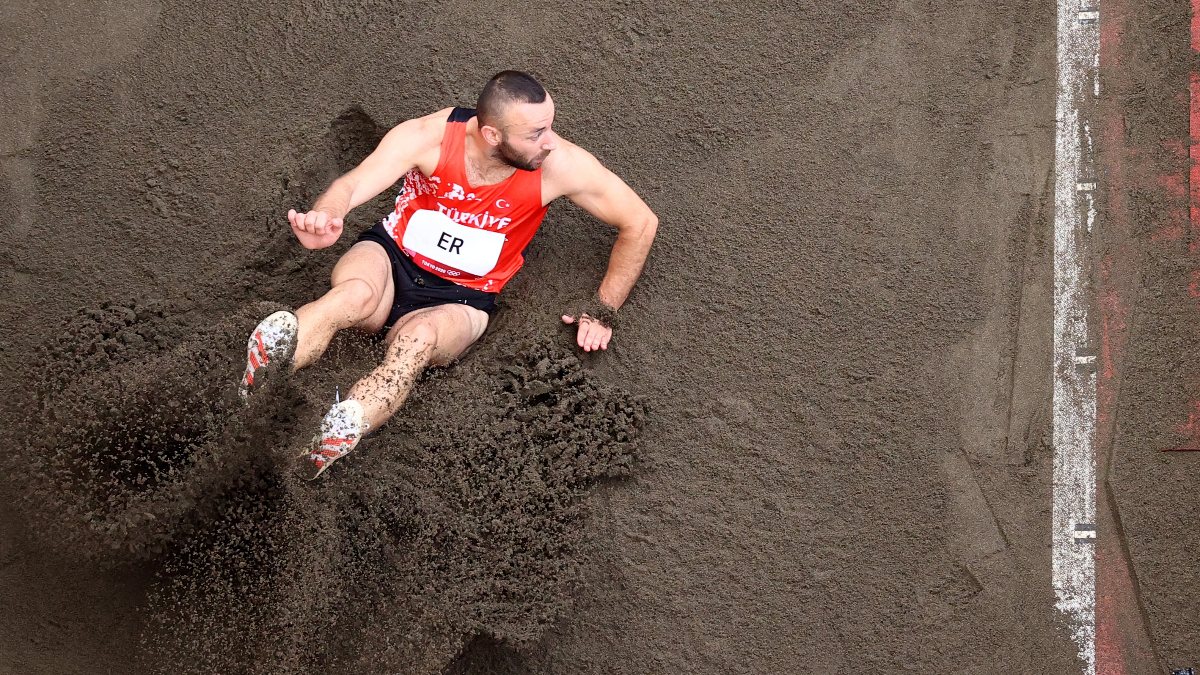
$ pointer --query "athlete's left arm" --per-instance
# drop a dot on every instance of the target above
(600, 192)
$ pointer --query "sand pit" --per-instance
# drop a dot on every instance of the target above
(464, 522)
(820, 442)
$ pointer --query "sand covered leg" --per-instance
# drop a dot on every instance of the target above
(360, 297)
(430, 336)
(433, 336)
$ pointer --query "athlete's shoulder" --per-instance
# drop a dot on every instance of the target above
(425, 130)
(569, 161)
(438, 118)
(570, 168)
(567, 156)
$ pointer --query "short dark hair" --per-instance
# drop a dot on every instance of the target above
(505, 87)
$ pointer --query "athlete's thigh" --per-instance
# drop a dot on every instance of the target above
(456, 326)
(368, 262)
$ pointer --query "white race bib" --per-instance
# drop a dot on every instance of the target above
(436, 237)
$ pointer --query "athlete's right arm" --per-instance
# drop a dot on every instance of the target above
(400, 150)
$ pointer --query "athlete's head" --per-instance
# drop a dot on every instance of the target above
(515, 114)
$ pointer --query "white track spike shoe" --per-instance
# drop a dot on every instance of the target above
(273, 341)
(341, 430)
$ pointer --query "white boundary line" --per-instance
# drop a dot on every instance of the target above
(1073, 527)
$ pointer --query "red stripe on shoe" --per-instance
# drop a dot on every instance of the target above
(262, 349)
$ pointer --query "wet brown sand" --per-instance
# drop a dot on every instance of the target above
(819, 443)
(463, 519)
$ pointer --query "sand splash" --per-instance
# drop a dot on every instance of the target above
(463, 518)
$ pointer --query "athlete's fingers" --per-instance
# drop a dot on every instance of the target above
(568, 319)
(581, 334)
(292, 217)
(587, 334)
(607, 337)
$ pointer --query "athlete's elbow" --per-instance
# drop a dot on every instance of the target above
(649, 227)
(637, 228)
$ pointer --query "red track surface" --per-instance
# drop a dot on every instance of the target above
(1123, 643)
(1194, 124)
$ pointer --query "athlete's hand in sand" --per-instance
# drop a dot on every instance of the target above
(315, 229)
(592, 335)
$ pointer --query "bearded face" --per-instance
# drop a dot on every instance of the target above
(525, 138)
(528, 160)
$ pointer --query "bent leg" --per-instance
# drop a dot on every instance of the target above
(432, 336)
(360, 296)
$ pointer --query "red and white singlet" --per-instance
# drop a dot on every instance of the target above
(473, 236)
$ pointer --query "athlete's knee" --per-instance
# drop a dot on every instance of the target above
(478, 321)
(423, 334)
(418, 336)
(357, 296)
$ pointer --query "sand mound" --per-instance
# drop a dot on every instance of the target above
(462, 518)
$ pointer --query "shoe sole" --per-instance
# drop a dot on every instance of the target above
(255, 345)
(306, 456)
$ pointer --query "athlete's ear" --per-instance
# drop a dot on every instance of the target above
(491, 134)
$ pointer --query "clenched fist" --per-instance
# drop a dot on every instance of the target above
(315, 229)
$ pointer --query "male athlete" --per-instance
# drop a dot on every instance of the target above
(476, 187)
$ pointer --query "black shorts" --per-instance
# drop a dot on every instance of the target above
(418, 289)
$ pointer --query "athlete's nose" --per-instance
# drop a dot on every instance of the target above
(550, 143)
